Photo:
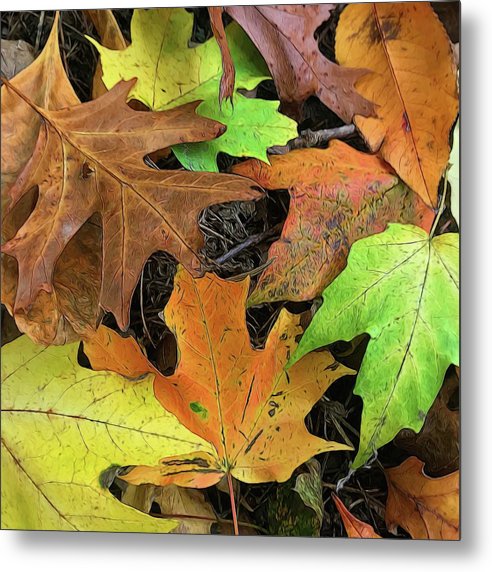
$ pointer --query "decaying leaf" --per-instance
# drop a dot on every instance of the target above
(170, 73)
(426, 508)
(285, 36)
(338, 195)
(309, 488)
(89, 160)
(402, 288)
(189, 506)
(238, 399)
(71, 309)
(295, 508)
(111, 37)
(47, 85)
(354, 527)
(413, 85)
(438, 442)
(63, 426)
(16, 55)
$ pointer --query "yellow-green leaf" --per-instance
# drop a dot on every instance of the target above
(63, 426)
(170, 73)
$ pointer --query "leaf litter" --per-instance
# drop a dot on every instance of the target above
(238, 226)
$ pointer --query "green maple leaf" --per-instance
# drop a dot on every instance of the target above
(63, 426)
(170, 74)
(402, 288)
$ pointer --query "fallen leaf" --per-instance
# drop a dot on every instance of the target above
(426, 508)
(285, 36)
(189, 506)
(438, 442)
(413, 85)
(354, 527)
(63, 426)
(170, 73)
(111, 37)
(71, 310)
(309, 487)
(48, 86)
(238, 399)
(89, 160)
(338, 195)
(289, 514)
(454, 173)
(16, 56)
(402, 288)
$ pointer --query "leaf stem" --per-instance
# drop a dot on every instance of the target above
(442, 205)
(233, 504)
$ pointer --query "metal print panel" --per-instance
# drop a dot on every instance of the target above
(230, 270)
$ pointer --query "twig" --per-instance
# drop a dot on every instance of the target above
(310, 138)
(40, 30)
(442, 205)
(142, 313)
(250, 241)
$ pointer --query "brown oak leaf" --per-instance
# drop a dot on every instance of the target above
(88, 161)
(71, 309)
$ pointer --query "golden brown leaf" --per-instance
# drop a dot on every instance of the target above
(338, 195)
(413, 85)
(237, 398)
(48, 86)
(71, 309)
(354, 527)
(89, 160)
(426, 508)
(285, 36)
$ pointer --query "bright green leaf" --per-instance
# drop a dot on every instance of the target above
(454, 173)
(170, 74)
(402, 289)
(63, 426)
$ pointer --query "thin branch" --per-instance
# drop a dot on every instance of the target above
(310, 138)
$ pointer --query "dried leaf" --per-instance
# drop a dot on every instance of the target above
(413, 85)
(402, 288)
(238, 399)
(89, 160)
(426, 508)
(71, 310)
(285, 36)
(309, 488)
(338, 195)
(174, 502)
(354, 527)
(47, 84)
(438, 442)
